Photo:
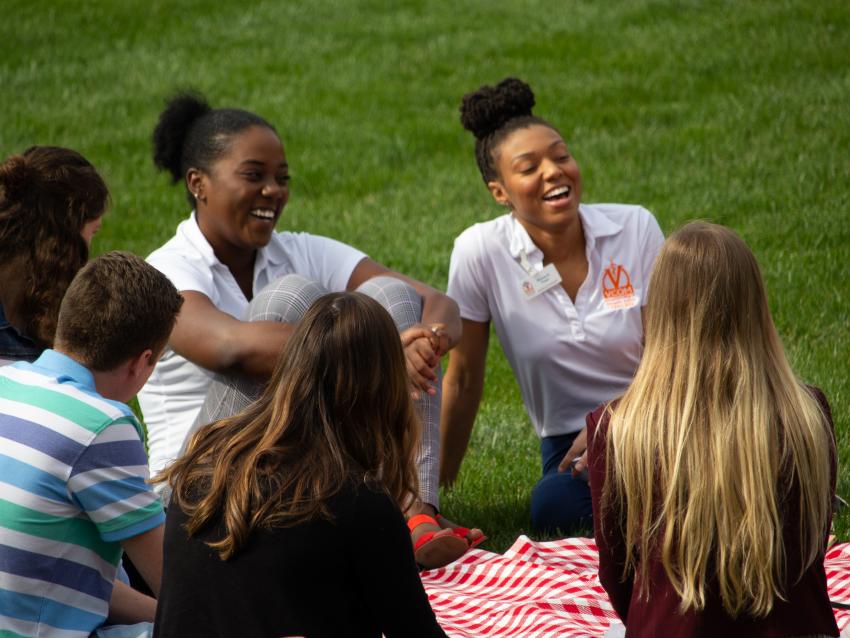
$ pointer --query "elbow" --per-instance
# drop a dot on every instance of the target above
(224, 356)
(220, 354)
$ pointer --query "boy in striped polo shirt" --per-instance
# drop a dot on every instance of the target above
(72, 463)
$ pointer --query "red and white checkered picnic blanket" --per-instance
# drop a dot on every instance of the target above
(539, 589)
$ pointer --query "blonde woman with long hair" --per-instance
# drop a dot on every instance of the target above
(712, 476)
(285, 518)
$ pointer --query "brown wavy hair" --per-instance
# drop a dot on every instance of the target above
(336, 410)
(47, 195)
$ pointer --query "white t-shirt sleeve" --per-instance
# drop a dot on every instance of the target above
(183, 273)
(651, 239)
(467, 284)
(326, 261)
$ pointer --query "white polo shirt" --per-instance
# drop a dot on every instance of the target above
(567, 357)
(173, 395)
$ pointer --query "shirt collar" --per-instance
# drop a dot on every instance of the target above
(271, 255)
(195, 237)
(594, 226)
(65, 368)
(520, 240)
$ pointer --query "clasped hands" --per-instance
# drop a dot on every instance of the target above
(424, 345)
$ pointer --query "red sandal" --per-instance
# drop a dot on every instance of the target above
(462, 532)
(433, 549)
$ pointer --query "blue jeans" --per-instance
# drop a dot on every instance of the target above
(13, 345)
(560, 503)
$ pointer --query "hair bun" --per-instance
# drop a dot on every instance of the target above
(169, 136)
(484, 111)
(16, 177)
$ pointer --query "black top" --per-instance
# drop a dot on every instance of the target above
(353, 577)
(805, 612)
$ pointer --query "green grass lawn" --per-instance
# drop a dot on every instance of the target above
(738, 112)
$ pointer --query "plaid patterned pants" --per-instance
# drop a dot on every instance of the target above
(287, 299)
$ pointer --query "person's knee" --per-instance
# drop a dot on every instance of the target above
(561, 504)
(285, 299)
(391, 289)
(398, 297)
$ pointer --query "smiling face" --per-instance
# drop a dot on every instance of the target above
(538, 178)
(240, 199)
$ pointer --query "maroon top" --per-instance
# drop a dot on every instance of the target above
(807, 609)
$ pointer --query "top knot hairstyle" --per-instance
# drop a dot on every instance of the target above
(491, 113)
(47, 195)
(192, 134)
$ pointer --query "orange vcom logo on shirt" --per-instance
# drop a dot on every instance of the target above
(617, 288)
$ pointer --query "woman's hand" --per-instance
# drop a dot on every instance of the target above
(423, 346)
(438, 310)
(440, 341)
(578, 449)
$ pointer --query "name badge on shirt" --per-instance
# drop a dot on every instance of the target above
(540, 281)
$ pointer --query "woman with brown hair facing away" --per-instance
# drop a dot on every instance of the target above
(712, 477)
(284, 518)
(51, 204)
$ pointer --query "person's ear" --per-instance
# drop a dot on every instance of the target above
(142, 364)
(195, 184)
(497, 190)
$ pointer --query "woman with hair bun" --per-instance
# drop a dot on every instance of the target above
(564, 284)
(284, 518)
(713, 474)
(51, 204)
(246, 286)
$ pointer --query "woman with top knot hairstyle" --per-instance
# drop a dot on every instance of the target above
(51, 204)
(564, 284)
(245, 287)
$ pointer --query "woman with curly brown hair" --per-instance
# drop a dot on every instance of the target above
(284, 518)
(51, 204)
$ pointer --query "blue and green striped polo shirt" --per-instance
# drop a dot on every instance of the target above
(72, 486)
